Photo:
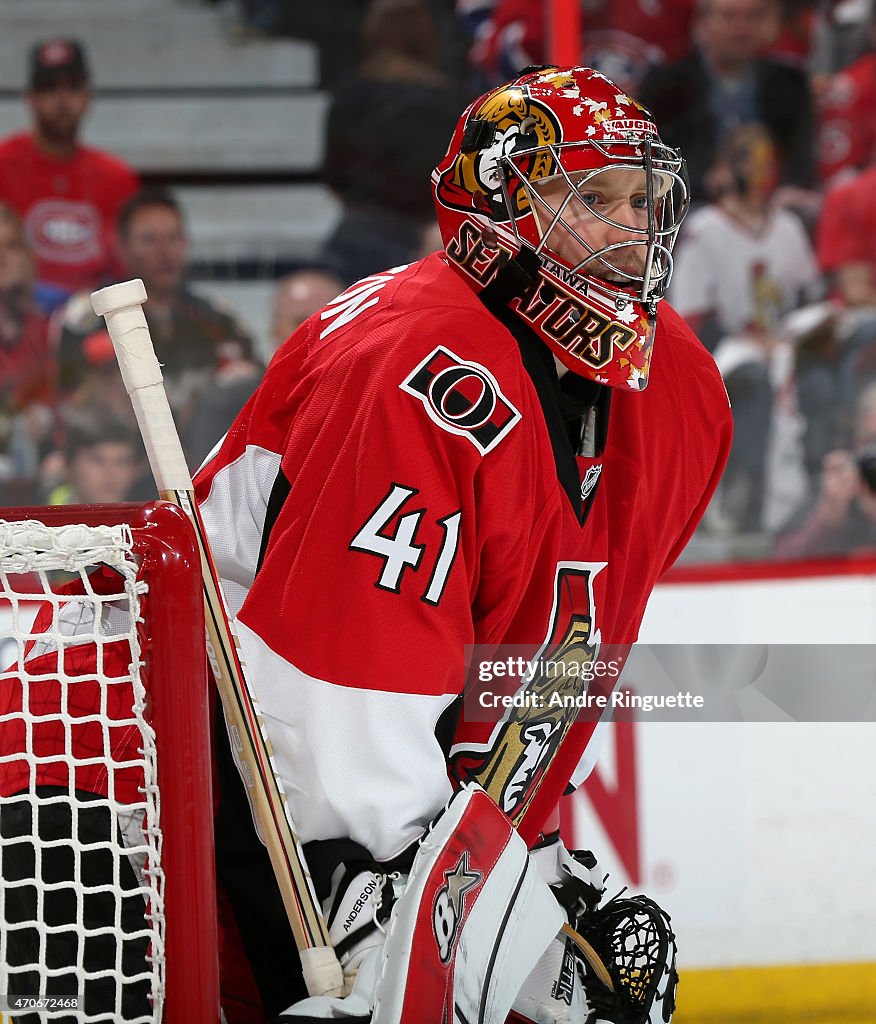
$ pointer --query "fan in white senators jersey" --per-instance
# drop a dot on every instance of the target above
(461, 451)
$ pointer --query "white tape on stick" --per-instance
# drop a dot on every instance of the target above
(122, 307)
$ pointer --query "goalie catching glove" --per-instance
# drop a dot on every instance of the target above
(630, 940)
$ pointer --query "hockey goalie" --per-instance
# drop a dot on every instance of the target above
(506, 442)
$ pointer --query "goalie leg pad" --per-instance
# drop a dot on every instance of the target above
(472, 923)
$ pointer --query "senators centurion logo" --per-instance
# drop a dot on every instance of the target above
(463, 398)
(511, 112)
(522, 747)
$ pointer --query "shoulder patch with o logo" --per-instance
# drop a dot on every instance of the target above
(463, 398)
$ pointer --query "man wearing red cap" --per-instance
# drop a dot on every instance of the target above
(67, 194)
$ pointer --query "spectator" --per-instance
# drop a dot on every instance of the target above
(100, 384)
(388, 126)
(742, 264)
(725, 82)
(846, 239)
(26, 373)
(192, 337)
(67, 194)
(101, 463)
(189, 333)
(814, 332)
(297, 296)
(800, 28)
(847, 252)
(335, 28)
(622, 40)
(25, 364)
(844, 518)
(864, 435)
(847, 126)
(843, 34)
(216, 406)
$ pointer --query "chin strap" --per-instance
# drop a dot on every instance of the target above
(514, 278)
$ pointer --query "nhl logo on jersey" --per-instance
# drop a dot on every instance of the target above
(591, 478)
(463, 398)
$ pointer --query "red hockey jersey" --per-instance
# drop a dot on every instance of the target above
(419, 508)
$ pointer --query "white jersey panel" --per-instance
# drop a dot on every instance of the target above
(358, 763)
(234, 517)
(591, 754)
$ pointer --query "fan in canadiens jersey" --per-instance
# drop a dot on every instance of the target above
(507, 442)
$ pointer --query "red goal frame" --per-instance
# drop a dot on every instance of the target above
(176, 671)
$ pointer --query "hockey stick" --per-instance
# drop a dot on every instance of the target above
(121, 306)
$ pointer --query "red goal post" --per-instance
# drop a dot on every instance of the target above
(563, 32)
(163, 564)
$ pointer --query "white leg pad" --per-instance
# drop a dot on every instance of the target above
(472, 923)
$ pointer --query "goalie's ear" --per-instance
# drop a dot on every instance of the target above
(472, 923)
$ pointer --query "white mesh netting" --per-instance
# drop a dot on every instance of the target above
(81, 885)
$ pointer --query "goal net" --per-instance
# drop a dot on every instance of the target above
(106, 902)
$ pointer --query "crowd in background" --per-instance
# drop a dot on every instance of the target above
(773, 103)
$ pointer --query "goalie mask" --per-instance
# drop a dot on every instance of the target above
(581, 202)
